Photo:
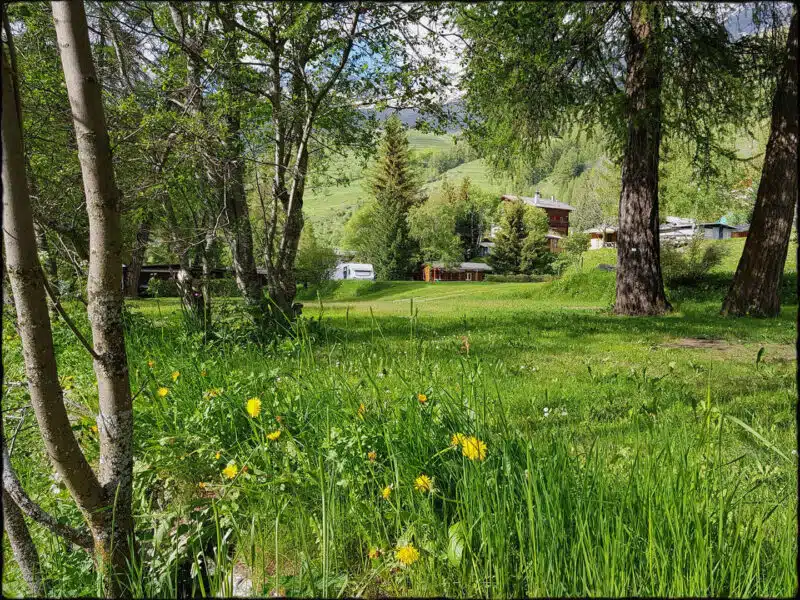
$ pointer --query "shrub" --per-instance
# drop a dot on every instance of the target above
(519, 278)
(688, 263)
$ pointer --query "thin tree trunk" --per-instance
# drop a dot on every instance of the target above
(112, 529)
(33, 322)
(755, 289)
(640, 287)
(22, 546)
(137, 259)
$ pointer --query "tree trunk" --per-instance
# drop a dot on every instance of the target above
(22, 546)
(33, 322)
(137, 259)
(112, 529)
(640, 287)
(755, 289)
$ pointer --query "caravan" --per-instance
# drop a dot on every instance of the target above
(351, 270)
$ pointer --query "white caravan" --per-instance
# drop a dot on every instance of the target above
(351, 270)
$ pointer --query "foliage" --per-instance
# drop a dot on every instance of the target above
(573, 247)
(379, 232)
(536, 258)
(688, 263)
(520, 245)
(451, 224)
(315, 261)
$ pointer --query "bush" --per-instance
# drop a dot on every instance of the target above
(688, 263)
(521, 278)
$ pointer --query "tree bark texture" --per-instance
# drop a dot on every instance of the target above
(137, 259)
(22, 546)
(112, 528)
(640, 286)
(755, 289)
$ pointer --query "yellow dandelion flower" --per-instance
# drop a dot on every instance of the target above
(407, 554)
(372, 456)
(423, 483)
(361, 410)
(201, 485)
(386, 492)
(151, 363)
(217, 455)
(231, 470)
(473, 448)
(457, 440)
(274, 435)
(374, 553)
(254, 407)
(175, 375)
(162, 392)
(422, 398)
(94, 428)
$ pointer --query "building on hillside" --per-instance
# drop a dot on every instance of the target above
(557, 212)
(677, 228)
(485, 248)
(602, 237)
(741, 231)
(466, 271)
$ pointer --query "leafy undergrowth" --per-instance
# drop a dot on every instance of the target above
(597, 455)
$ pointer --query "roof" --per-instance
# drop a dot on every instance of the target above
(539, 202)
(353, 265)
(681, 223)
(608, 229)
(552, 236)
(487, 244)
(465, 266)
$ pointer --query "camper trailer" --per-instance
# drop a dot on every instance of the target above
(350, 270)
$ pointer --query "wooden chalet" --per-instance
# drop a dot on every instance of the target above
(557, 212)
(466, 271)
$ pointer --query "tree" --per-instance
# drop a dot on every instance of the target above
(755, 286)
(396, 188)
(535, 257)
(506, 257)
(315, 262)
(642, 71)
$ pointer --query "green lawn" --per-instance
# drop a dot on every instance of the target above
(623, 456)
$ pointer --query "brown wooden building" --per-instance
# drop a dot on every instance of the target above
(557, 212)
(466, 271)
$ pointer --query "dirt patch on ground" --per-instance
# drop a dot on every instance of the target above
(772, 352)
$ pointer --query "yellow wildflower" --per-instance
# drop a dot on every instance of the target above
(274, 435)
(422, 398)
(162, 392)
(151, 363)
(94, 428)
(361, 410)
(423, 483)
(175, 375)
(374, 553)
(372, 456)
(386, 492)
(457, 440)
(201, 485)
(473, 448)
(231, 470)
(203, 373)
(407, 554)
(217, 455)
(254, 407)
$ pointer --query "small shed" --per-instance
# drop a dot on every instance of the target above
(466, 271)
(602, 237)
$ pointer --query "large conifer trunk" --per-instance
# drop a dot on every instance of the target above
(112, 528)
(640, 287)
(755, 286)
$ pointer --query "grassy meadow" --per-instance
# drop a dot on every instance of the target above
(459, 439)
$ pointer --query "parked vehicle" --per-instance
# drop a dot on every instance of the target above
(350, 270)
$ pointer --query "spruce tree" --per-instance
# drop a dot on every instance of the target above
(395, 187)
(507, 253)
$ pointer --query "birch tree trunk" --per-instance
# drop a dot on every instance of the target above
(22, 546)
(640, 286)
(112, 529)
(755, 289)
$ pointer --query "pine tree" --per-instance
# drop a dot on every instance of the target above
(507, 253)
(395, 186)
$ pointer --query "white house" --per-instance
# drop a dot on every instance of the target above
(351, 270)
